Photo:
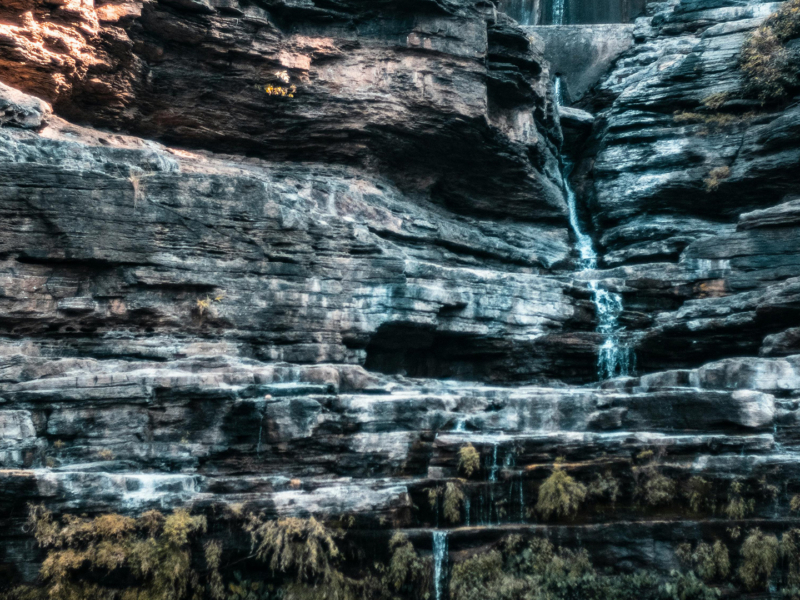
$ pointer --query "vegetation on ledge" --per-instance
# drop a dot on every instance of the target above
(767, 62)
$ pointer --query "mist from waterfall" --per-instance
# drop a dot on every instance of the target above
(614, 358)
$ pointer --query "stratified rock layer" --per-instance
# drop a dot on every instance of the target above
(282, 233)
(689, 186)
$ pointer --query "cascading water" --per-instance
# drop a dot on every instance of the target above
(493, 470)
(615, 358)
(559, 7)
(439, 564)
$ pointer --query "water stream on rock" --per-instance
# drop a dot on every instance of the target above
(615, 358)
(558, 12)
(439, 563)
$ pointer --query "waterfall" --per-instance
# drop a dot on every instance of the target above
(558, 91)
(439, 563)
(614, 358)
(559, 7)
(466, 509)
(493, 469)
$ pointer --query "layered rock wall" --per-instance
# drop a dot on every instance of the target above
(295, 257)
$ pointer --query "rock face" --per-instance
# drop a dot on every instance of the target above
(690, 190)
(583, 54)
(297, 256)
(449, 98)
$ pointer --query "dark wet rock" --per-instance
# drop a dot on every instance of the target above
(293, 312)
(784, 343)
(183, 253)
(689, 190)
(786, 214)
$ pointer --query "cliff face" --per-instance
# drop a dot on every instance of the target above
(259, 254)
(691, 190)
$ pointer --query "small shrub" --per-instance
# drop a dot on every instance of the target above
(105, 454)
(699, 493)
(154, 549)
(687, 587)
(469, 461)
(407, 572)
(711, 563)
(768, 490)
(714, 121)
(652, 487)
(605, 486)
(433, 497)
(453, 501)
(287, 91)
(657, 490)
(213, 556)
(301, 546)
(759, 557)
(794, 503)
(716, 177)
(560, 495)
(790, 551)
(476, 578)
(244, 589)
(738, 507)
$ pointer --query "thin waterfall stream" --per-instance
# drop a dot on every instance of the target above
(439, 564)
(559, 7)
(614, 358)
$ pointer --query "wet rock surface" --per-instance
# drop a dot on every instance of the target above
(214, 295)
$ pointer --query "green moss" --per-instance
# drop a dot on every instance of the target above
(759, 557)
(469, 461)
(560, 495)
